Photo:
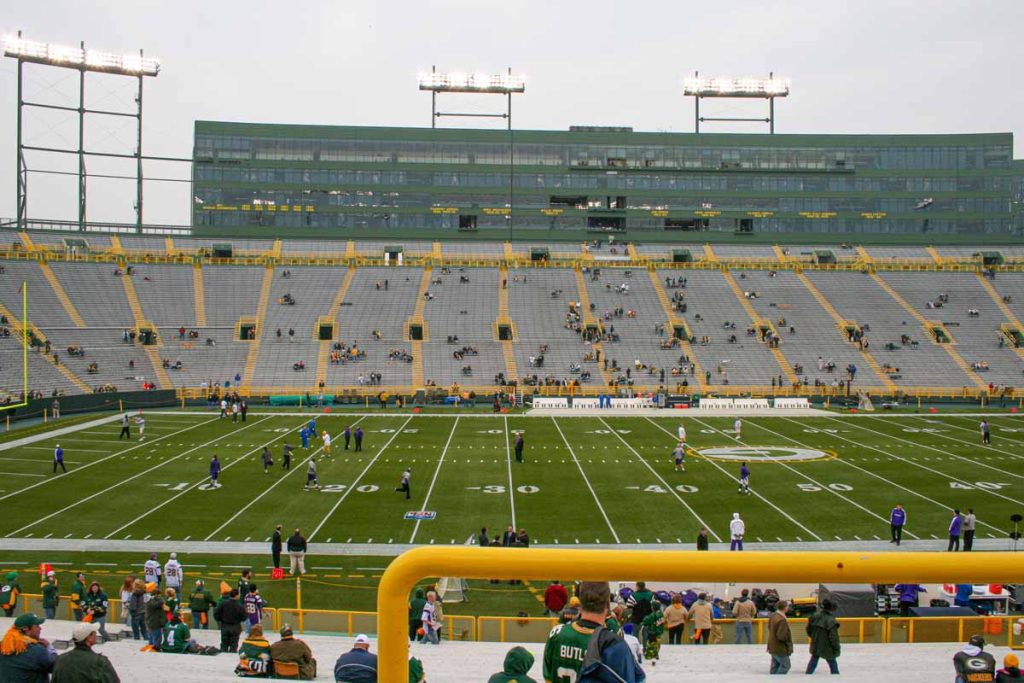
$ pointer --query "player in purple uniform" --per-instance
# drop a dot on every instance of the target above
(214, 471)
(744, 479)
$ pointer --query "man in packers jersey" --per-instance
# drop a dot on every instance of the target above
(568, 651)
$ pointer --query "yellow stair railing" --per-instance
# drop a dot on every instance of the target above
(927, 326)
(589, 319)
(1007, 312)
(199, 294)
(841, 325)
(324, 350)
(416, 345)
(261, 313)
(780, 358)
(62, 295)
(673, 320)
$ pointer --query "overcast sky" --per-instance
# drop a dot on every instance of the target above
(892, 66)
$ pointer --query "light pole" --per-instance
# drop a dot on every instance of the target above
(736, 88)
(506, 84)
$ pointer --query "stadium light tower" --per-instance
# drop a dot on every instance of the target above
(736, 88)
(82, 60)
(506, 84)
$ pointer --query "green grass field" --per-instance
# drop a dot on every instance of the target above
(586, 480)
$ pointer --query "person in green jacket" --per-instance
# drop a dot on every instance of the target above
(81, 663)
(9, 593)
(200, 603)
(823, 634)
(95, 604)
(51, 595)
(75, 599)
(415, 612)
(254, 655)
(518, 662)
(177, 637)
(654, 627)
(416, 674)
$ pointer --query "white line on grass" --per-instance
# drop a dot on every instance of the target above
(587, 481)
(430, 489)
(297, 468)
(355, 482)
(758, 425)
(912, 492)
(112, 455)
(946, 423)
(950, 454)
(511, 491)
(668, 487)
(201, 481)
(19, 474)
(925, 467)
(722, 469)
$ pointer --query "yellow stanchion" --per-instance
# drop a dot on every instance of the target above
(601, 565)
(298, 601)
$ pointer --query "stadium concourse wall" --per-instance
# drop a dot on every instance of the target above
(94, 403)
(516, 629)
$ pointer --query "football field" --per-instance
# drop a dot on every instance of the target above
(585, 480)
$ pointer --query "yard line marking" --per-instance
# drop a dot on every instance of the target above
(252, 502)
(173, 498)
(511, 492)
(112, 455)
(437, 470)
(668, 486)
(953, 455)
(978, 432)
(20, 474)
(758, 425)
(925, 467)
(355, 482)
(722, 469)
(586, 481)
(912, 492)
(113, 486)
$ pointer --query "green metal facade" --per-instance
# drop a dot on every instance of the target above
(337, 180)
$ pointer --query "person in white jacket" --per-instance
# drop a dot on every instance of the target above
(633, 642)
(173, 574)
(736, 530)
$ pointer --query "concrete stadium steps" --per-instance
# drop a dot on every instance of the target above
(977, 339)
(857, 296)
(817, 334)
(1012, 285)
(43, 302)
(709, 295)
(478, 298)
(230, 293)
(104, 347)
(42, 374)
(440, 366)
(167, 298)
(366, 308)
(98, 294)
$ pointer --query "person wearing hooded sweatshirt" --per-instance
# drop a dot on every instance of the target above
(736, 530)
(416, 612)
(51, 594)
(156, 617)
(653, 629)
(702, 618)
(9, 593)
(200, 602)
(744, 611)
(973, 664)
(823, 634)
(75, 599)
(96, 604)
(230, 614)
(1010, 671)
(518, 662)
(908, 596)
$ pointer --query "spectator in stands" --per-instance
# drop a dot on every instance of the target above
(675, 620)
(823, 633)
(254, 656)
(81, 663)
(518, 662)
(702, 618)
(744, 611)
(780, 640)
(908, 596)
(1010, 671)
(177, 637)
(24, 654)
(555, 598)
(290, 653)
(230, 614)
(972, 663)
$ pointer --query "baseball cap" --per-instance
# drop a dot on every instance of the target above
(362, 638)
(51, 573)
(174, 556)
(83, 630)
(28, 620)
(286, 630)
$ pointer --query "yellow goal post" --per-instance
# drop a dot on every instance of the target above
(407, 569)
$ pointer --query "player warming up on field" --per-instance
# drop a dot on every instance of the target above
(126, 428)
(679, 456)
(58, 459)
(986, 432)
(404, 486)
(140, 422)
(327, 444)
(737, 427)
(214, 472)
(744, 479)
(312, 480)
